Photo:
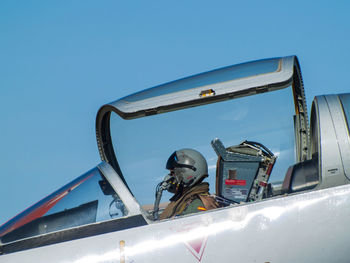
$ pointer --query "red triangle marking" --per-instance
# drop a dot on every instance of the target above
(197, 246)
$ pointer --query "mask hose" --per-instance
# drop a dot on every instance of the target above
(165, 185)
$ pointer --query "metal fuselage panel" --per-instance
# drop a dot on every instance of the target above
(334, 141)
(307, 227)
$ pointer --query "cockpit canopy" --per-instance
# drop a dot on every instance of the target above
(261, 101)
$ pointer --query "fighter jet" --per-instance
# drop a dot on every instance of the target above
(280, 182)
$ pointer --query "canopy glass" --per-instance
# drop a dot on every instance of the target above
(143, 145)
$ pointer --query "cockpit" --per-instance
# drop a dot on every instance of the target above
(249, 121)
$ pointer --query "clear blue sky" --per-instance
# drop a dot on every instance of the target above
(61, 60)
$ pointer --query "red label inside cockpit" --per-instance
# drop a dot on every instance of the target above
(236, 182)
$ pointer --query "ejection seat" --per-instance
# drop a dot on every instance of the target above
(242, 171)
(301, 176)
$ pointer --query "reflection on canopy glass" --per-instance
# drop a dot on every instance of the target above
(85, 200)
(142, 146)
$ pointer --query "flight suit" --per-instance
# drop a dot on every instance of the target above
(194, 206)
(192, 200)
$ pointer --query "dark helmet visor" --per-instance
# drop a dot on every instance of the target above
(172, 163)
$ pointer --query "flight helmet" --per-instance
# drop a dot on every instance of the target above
(188, 166)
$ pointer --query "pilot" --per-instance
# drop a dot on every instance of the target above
(188, 168)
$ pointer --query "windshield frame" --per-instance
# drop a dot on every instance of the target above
(120, 188)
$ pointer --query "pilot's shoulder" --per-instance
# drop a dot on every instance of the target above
(192, 207)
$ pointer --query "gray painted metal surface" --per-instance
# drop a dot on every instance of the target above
(306, 227)
(334, 147)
